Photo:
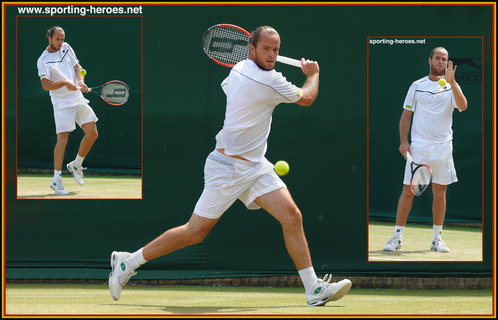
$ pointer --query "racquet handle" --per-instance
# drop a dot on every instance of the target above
(289, 61)
(409, 157)
(79, 88)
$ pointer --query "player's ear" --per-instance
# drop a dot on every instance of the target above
(252, 49)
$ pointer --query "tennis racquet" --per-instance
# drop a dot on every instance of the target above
(228, 44)
(114, 92)
(421, 176)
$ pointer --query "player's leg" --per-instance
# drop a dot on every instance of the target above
(59, 150)
(281, 206)
(64, 124)
(193, 232)
(444, 173)
(403, 210)
(438, 213)
(439, 203)
(86, 119)
(123, 264)
(404, 205)
(216, 198)
(91, 134)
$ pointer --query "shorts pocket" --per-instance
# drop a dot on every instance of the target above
(217, 175)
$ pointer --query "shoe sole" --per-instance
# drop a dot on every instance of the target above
(395, 249)
(337, 295)
(71, 170)
(435, 250)
(342, 291)
(113, 259)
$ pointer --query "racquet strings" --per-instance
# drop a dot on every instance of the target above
(226, 44)
(421, 179)
(116, 93)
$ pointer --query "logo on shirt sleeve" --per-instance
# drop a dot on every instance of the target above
(408, 107)
(299, 92)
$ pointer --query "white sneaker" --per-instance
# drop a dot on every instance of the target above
(438, 245)
(394, 244)
(120, 274)
(77, 172)
(58, 187)
(324, 291)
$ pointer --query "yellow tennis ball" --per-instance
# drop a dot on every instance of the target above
(281, 168)
(442, 82)
(83, 72)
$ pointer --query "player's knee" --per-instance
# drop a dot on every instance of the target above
(439, 194)
(293, 217)
(438, 190)
(93, 134)
(407, 193)
(197, 235)
(62, 140)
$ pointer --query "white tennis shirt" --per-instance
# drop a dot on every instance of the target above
(433, 107)
(252, 95)
(56, 66)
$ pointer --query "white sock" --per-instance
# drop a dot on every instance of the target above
(436, 230)
(309, 278)
(136, 259)
(398, 230)
(57, 174)
(79, 160)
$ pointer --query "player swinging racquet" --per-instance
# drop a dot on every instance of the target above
(421, 176)
(228, 44)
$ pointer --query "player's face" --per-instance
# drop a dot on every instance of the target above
(55, 42)
(438, 62)
(266, 50)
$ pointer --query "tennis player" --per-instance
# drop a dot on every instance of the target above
(238, 169)
(58, 69)
(432, 108)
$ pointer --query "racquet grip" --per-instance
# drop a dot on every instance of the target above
(289, 61)
(409, 157)
(79, 88)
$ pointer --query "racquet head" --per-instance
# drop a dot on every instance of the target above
(421, 179)
(226, 44)
(115, 92)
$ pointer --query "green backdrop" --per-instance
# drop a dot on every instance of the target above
(337, 184)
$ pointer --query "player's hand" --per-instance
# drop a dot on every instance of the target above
(70, 86)
(309, 67)
(404, 148)
(83, 86)
(449, 73)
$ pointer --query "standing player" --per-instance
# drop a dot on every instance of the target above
(59, 71)
(432, 106)
(238, 169)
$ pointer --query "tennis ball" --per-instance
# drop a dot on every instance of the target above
(83, 72)
(442, 82)
(281, 168)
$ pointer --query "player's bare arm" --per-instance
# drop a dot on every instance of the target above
(404, 128)
(54, 85)
(310, 87)
(449, 75)
(80, 78)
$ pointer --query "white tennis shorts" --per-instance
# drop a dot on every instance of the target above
(66, 118)
(439, 156)
(227, 179)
